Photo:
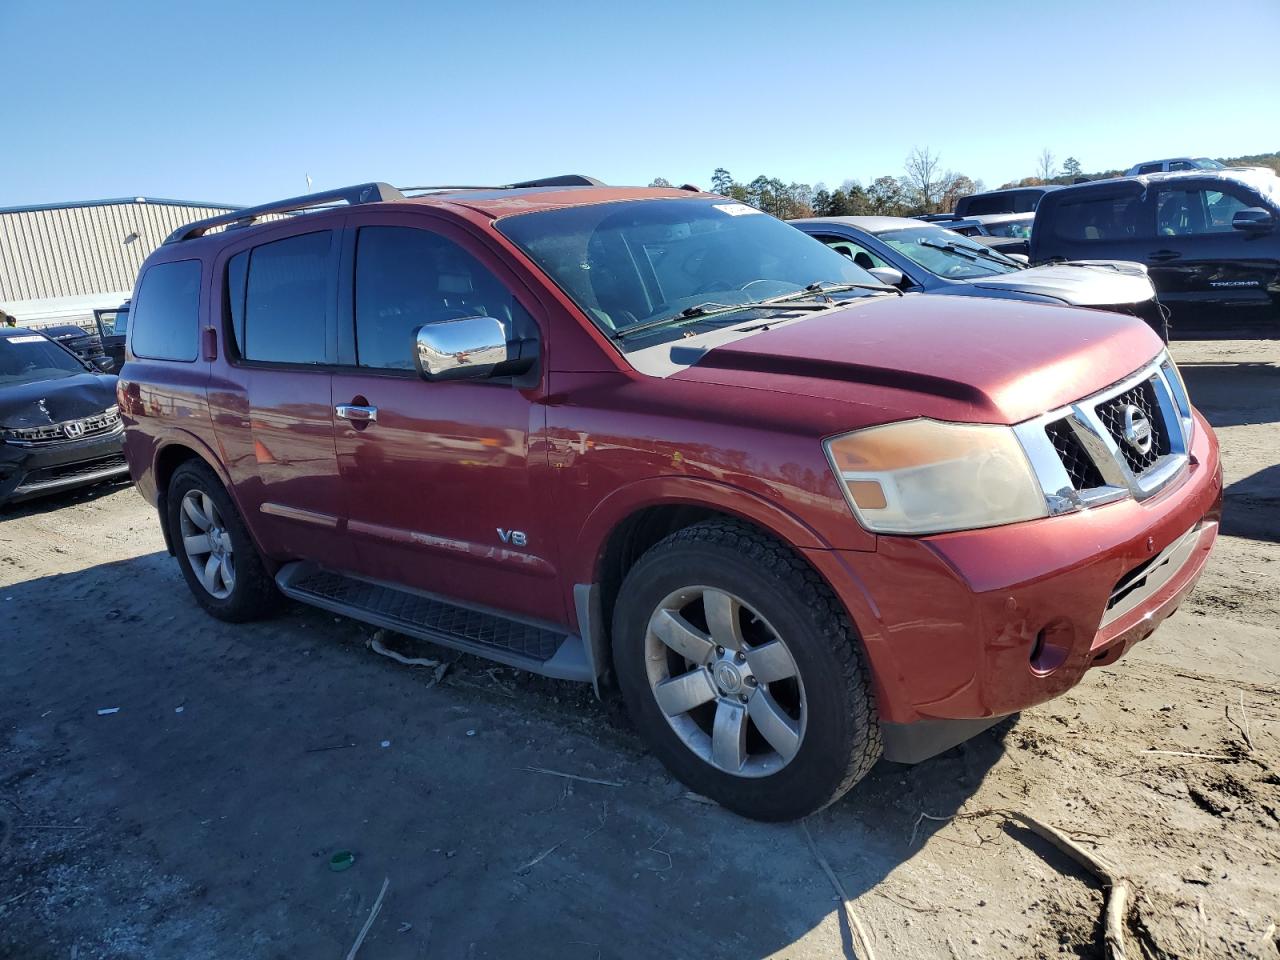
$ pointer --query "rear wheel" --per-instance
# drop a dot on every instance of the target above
(215, 553)
(743, 672)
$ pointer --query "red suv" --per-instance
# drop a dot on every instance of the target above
(659, 441)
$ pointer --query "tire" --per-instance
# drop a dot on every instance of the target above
(246, 591)
(829, 737)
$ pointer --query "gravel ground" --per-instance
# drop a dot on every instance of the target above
(199, 819)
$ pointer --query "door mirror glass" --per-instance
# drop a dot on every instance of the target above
(1253, 220)
(467, 348)
(887, 275)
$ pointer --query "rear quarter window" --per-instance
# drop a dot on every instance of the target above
(1105, 218)
(166, 313)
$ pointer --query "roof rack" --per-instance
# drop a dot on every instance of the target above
(358, 194)
(565, 180)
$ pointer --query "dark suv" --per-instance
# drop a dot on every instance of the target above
(1208, 238)
(1012, 200)
(659, 441)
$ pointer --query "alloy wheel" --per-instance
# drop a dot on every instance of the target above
(725, 681)
(207, 544)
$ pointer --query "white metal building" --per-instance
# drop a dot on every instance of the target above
(60, 261)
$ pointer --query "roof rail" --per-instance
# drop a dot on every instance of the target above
(565, 180)
(358, 194)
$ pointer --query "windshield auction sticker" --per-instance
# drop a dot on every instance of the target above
(735, 209)
(25, 339)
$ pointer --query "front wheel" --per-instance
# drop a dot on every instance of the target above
(742, 671)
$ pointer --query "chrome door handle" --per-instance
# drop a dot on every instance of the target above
(356, 413)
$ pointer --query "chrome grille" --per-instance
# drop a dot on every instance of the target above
(1112, 414)
(66, 431)
(1082, 470)
(1095, 450)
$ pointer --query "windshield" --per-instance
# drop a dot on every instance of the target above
(947, 254)
(1011, 228)
(1204, 163)
(25, 357)
(640, 261)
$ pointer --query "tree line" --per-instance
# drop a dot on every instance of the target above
(924, 186)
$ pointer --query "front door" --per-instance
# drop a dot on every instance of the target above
(1215, 279)
(446, 484)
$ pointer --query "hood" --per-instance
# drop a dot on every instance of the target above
(42, 402)
(1098, 283)
(951, 358)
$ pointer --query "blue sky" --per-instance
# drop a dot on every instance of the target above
(238, 101)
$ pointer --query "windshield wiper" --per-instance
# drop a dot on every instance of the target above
(830, 286)
(704, 310)
(969, 253)
(788, 301)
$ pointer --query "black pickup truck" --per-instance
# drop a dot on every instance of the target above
(1207, 237)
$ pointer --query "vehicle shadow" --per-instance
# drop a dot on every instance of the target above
(284, 740)
(1251, 506)
(56, 501)
(1233, 394)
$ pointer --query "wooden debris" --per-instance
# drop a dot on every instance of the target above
(862, 944)
(574, 776)
(373, 915)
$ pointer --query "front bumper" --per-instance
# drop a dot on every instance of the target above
(27, 472)
(976, 625)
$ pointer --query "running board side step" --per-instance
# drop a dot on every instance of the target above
(533, 647)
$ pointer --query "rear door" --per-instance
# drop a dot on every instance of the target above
(272, 400)
(1215, 279)
(1111, 221)
(447, 484)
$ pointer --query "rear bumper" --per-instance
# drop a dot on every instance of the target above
(27, 472)
(977, 625)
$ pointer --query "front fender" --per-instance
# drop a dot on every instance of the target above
(684, 491)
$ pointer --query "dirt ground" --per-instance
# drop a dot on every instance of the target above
(198, 821)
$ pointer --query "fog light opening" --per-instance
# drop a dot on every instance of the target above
(1051, 647)
(1037, 648)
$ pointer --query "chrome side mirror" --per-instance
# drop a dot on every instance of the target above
(887, 275)
(465, 348)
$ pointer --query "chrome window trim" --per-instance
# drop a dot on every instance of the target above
(1101, 447)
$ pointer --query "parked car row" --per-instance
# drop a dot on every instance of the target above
(60, 425)
(659, 441)
(924, 257)
(1205, 233)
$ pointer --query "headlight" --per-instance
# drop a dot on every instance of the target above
(923, 476)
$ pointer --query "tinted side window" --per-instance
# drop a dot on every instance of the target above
(979, 206)
(406, 277)
(1150, 168)
(287, 299)
(166, 315)
(1097, 218)
(1181, 213)
(854, 251)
